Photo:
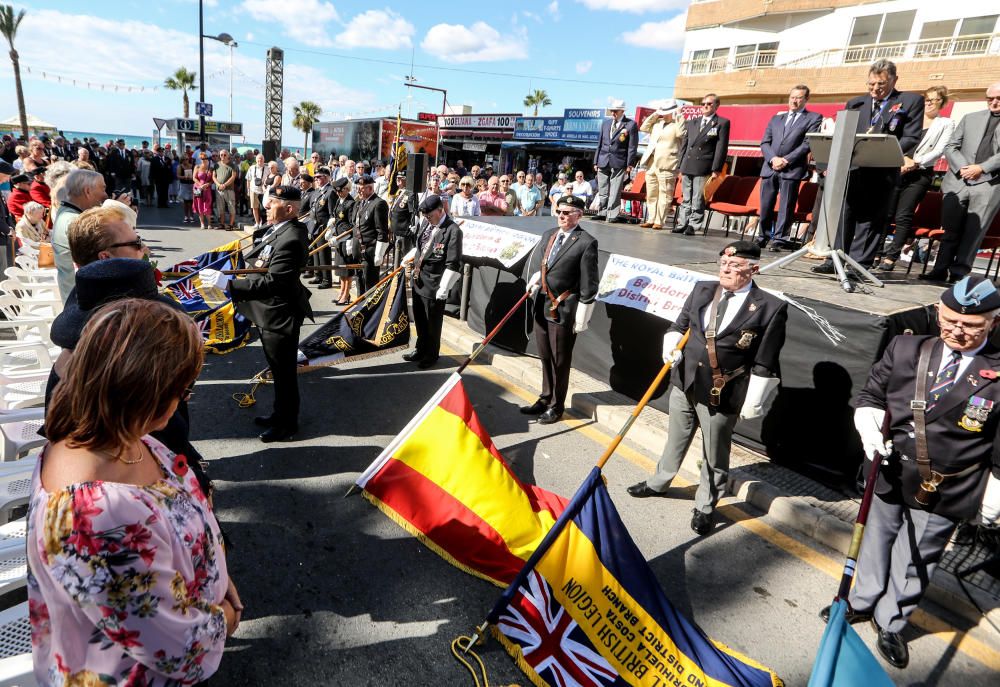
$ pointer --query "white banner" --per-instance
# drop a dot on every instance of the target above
(482, 240)
(648, 286)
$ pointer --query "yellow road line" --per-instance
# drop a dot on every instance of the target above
(833, 568)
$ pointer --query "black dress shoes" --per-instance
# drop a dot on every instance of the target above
(536, 408)
(315, 280)
(689, 232)
(893, 647)
(701, 523)
(264, 420)
(618, 220)
(824, 268)
(643, 491)
(427, 362)
(412, 356)
(278, 434)
(325, 286)
(937, 276)
(678, 230)
(851, 616)
(550, 416)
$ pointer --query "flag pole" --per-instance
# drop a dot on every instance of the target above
(489, 337)
(329, 244)
(227, 256)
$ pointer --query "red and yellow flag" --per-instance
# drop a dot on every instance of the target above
(444, 481)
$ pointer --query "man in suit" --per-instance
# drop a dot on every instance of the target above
(321, 207)
(786, 152)
(703, 154)
(371, 231)
(971, 189)
(666, 133)
(276, 302)
(161, 173)
(725, 373)
(940, 458)
(120, 167)
(869, 189)
(436, 266)
(563, 286)
(616, 153)
(402, 214)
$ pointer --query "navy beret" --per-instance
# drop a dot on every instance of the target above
(340, 183)
(575, 202)
(287, 193)
(972, 295)
(430, 204)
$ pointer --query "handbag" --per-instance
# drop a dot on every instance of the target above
(196, 192)
(46, 257)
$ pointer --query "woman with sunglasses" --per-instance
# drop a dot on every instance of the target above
(128, 573)
(465, 203)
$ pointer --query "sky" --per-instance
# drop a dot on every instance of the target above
(349, 57)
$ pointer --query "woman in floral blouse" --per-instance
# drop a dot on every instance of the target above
(127, 579)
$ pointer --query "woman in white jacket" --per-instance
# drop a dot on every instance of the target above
(918, 172)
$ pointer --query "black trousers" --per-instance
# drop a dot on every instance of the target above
(428, 316)
(162, 189)
(787, 191)
(866, 212)
(323, 257)
(912, 189)
(281, 351)
(555, 349)
(369, 274)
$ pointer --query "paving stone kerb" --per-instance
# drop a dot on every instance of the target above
(820, 513)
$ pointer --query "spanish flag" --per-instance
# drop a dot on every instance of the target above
(588, 610)
(444, 481)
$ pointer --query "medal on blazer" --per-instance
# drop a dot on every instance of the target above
(622, 138)
(976, 412)
(746, 338)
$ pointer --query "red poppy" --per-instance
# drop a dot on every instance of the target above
(988, 374)
(180, 465)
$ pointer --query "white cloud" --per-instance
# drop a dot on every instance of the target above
(635, 6)
(249, 35)
(477, 43)
(377, 29)
(532, 16)
(303, 20)
(584, 67)
(659, 35)
(553, 9)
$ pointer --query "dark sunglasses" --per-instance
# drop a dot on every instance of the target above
(137, 244)
(565, 212)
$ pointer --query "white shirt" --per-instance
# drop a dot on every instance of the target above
(735, 303)
(963, 364)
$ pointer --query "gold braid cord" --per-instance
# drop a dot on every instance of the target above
(461, 647)
(248, 399)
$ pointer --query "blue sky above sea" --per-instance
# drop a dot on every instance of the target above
(99, 66)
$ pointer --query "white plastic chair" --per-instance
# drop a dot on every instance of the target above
(16, 668)
(15, 491)
(13, 536)
(20, 432)
(21, 356)
(29, 290)
(22, 389)
(13, 571)
(43, 275)
(26, 261)
(14, 308)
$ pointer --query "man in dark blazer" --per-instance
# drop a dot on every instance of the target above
(786, 152)
(402, 214)
(161, 173)
(563, 285)
(925, 488)
(726, 372)
(617, 151)
(321, 207)
(436, 265)
(703, 154)
(869, 189)
(120, 166)
(371, 231)
(276, 302)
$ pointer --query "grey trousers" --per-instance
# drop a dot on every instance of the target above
(900, 550)
(966, 214)
(609, 190)
(691, 213)
(686, 417)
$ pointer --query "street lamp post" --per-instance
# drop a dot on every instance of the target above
(411, 83)
(225, 39)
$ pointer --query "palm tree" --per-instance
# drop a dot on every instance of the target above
(182, 80)
(537, 98)
(9, 23)
(307, 113)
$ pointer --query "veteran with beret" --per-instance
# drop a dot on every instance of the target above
(277, 302)
(371, 231)
(940, 461)
(726, 372)
(321, 208)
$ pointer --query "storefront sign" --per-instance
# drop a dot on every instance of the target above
(508, 246)
(584, 127)
(482, 121)
(474, 147)
(648, 286)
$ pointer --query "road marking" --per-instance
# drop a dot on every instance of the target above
(932, 625)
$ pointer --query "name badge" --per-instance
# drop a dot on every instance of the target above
(976, 412)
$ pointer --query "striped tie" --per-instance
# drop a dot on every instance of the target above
(944, 380)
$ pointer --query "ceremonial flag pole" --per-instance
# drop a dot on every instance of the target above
(489, 337)
(227, 256)
(328, 244)
(859, 530)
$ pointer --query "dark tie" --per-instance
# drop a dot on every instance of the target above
(720, 311)
(985, 149)
(425, 236)
(555, 248)
(876, 111)
(944, 381)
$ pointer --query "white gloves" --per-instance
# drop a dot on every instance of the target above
(410, 255)
(868, 422)
(758, 395)
(215, 279)
(583, 313)
(534, 284)
(671, 354)
(989, 512)
(447, 279)
(380, 250)
(328, 235)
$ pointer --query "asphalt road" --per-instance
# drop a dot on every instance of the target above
(337, 594)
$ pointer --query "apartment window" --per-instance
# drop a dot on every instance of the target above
(719, 58)
(755, 55)
(704, 61)
(974, 35)
(977, 26)
(879, 35)
(949, 37)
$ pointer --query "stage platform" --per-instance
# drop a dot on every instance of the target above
(810, 425)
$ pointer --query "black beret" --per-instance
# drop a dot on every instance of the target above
(742, 249)
(430, 204)
(287, 193)
(324, 170)
(972, 295)
(365, 180)
(401, 173)
(305, 177)
(575, 202)
(340, 183)
(19, 179)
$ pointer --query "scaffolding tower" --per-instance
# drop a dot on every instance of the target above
(273, 95)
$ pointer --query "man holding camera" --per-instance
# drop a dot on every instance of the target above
(940, 456)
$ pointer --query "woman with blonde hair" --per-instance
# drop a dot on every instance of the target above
(202, 192)
(128, 573)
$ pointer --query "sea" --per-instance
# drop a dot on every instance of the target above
(136, 141)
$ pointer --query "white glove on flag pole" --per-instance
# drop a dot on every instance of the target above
(534, 284)
(671, 354)
(583, 313)
(447, 279)
(868, 422)
(758, 395)
(989, 512)
(381, 247)
(215, 279)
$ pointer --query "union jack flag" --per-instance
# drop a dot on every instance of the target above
(550, 640)
(188, 294)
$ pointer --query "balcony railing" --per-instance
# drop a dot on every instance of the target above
(927, 49)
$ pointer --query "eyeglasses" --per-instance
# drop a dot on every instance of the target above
(991, 98)
(961, 327)
(137, 244)
(734, 264)
(566, 212)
